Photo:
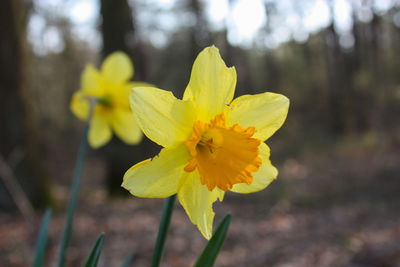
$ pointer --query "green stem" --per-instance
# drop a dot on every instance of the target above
(162, 231)
(74, 191)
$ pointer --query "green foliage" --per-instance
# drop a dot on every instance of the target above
(211, 250)
(42, 240)
(162, 232)
(94, 255)
(128, 260)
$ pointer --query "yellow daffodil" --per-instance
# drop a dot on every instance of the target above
(110, 88)
(211, 143)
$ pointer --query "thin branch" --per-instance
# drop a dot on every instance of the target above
(16, 192)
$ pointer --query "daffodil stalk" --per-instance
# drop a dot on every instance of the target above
(163, 229)
(75, 186)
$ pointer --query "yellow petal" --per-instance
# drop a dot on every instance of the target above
(266, 112)
(117, 68)
(197, 201)
(125, 126)
(211, 85)
(90, 81)
(262, 178)
(157, 177)
(163, 118)
(99, 132)
(121, 93)
(80, 105)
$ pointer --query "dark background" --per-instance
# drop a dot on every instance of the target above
(336, 199)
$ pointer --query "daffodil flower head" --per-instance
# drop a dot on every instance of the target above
(211, 143)
(109, 87)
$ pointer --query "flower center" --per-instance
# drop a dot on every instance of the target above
(105, 101)
(224, 156)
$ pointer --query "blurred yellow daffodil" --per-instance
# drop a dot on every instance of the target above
(211, 143)
(110, 88)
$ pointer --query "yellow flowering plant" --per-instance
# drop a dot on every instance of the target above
(109, 87)
(211, 143)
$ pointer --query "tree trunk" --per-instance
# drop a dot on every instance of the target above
(118, 30)
(19, 126)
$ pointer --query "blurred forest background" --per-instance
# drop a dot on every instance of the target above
(336, 201)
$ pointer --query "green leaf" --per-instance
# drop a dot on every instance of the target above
(128, 260)
(162, 231)
(95, 253)
(211, 250)
(42, 240)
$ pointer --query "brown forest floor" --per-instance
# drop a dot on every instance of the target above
(337, 208)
